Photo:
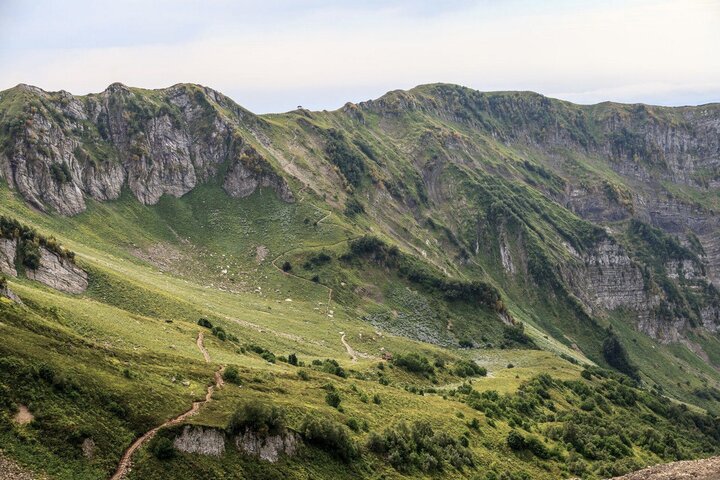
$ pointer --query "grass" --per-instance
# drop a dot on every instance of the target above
(113, 362)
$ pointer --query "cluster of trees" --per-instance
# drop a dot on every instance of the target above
(330, 366)
(345, 157)
(414, 363)
(514, 335)
(370, 247)
(419, 446)
(466, 368)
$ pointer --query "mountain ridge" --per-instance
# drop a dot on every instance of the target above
(439, 219)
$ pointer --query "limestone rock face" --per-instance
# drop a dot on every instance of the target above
(59, 273)
(78, 147)
(269, 448)
(206, 441)
(7, 257)
(613, 279)
(240, 182)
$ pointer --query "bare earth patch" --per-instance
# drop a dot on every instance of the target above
(23, 416)
(706, 469)
(261, 251)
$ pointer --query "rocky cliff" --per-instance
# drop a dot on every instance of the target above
(59, 149)
(211, 441)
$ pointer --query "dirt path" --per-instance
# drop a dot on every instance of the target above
(706, 469)
(126, 460)
(201, 346)
(350, 351)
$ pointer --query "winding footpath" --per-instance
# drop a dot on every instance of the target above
(126, 460)
(350, 350)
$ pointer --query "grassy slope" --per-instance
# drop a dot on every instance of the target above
(205, 246)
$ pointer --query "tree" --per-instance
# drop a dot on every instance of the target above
(286, 267)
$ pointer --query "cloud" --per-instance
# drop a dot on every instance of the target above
(650, 50)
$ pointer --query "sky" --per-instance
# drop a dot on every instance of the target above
(274, 55)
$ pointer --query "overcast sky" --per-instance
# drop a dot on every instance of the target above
(273, 55)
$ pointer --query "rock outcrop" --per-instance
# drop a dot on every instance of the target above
(610, 279)
(211, 441)
(270, 447)
(63, 149)
(7, 256)
(59, 273)
(203, 440)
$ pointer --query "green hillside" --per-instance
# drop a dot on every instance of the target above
(439, 283)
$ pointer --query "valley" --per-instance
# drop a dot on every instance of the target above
(439, 283)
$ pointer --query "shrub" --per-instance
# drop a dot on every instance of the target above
(162, 448)
(329, 436)
(231, 375)
(414, 363)
(204, 322)
(292, 359)
(333, 399)
(515, 440)
(514, 335)
(303, 375)
(258, 418)
(353, 207)
(286, 267)
(353, 424)
(376, 399)
(465, 368)
(60, 172)
(330, 366)
(419, 446)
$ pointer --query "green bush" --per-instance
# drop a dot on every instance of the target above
(257, 418)
(286, 266)
(333, 399)
(204, 322)
(330, 436)
(419, 447)
(514, 335)
(465, 368)
(292, 359)
(414, 362)
(330, 366)
(515, 440)
(231, 375)
(162, 448)
(353, 207)
(345, 157)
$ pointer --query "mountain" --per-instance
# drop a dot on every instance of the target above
(543, 274)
